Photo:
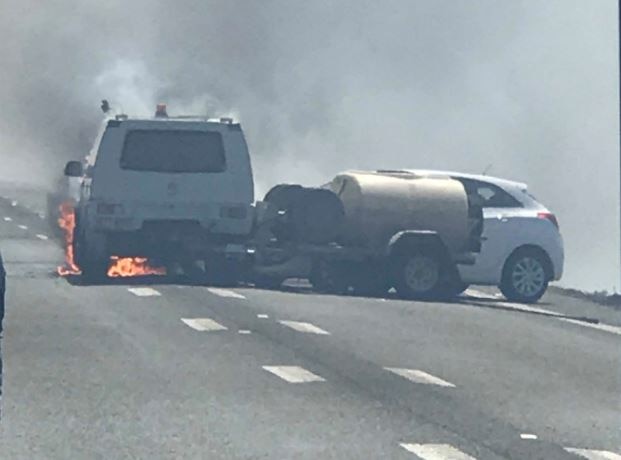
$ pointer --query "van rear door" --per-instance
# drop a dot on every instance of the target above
(175, 170)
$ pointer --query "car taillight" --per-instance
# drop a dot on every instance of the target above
(548, 216)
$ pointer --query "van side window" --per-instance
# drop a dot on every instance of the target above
(173, 151)
(489, 196)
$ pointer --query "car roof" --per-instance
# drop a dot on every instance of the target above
(503, 183)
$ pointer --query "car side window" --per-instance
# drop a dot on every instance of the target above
(490, 196)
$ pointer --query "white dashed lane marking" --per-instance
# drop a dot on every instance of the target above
(294, 374)
(13, 203)
(262, 316)
(591, 454)
(304, 327)
(23, 227)
(203, 324)
(528, 436)
(8, 219)
(417, 376)
(244, 332)
(226, 293)
(42, 237)
(144, 292)
(436, 452)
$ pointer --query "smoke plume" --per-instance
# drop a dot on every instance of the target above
(527, 89)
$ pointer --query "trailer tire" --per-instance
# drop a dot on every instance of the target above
(419, 273)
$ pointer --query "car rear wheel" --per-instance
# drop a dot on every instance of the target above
(525, 277)
(419, 274)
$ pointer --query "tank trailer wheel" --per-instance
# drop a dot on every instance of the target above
(419, 274)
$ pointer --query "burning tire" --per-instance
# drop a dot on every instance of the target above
(89, 253)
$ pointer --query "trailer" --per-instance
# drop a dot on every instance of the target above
(367, 232)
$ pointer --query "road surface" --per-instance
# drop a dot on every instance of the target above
(153, 370)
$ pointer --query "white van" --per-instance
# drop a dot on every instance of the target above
(163, 187)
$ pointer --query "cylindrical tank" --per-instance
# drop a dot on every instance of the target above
(311, 215)
(379, 204)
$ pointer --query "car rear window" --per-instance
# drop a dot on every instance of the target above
(173, 151)
(489, 195)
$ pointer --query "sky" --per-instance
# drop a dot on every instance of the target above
(527, 89)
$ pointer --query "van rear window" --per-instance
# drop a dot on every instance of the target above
(173, 151)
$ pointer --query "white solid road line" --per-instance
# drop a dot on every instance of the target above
(144, 292)
(203, 324)
(294, 374)
(417, 376)
(591, 454)
(23, 227)
(225, 293)
(528, 308)
(436, 452)
(304, 327)
(8, 219)
(598, 326)
(42, 237)
(470, 292)
(502, 302)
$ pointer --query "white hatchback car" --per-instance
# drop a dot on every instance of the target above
(522, 248)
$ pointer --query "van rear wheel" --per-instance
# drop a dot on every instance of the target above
(419, 274)
(90, 258)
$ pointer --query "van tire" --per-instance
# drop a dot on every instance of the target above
(90, 258)
(419, 273)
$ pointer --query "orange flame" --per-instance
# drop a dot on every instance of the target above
(132, 266)
(66, 222)
(119, 266)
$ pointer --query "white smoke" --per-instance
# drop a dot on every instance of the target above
(528, 86)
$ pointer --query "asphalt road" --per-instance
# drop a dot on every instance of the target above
(153, 370)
